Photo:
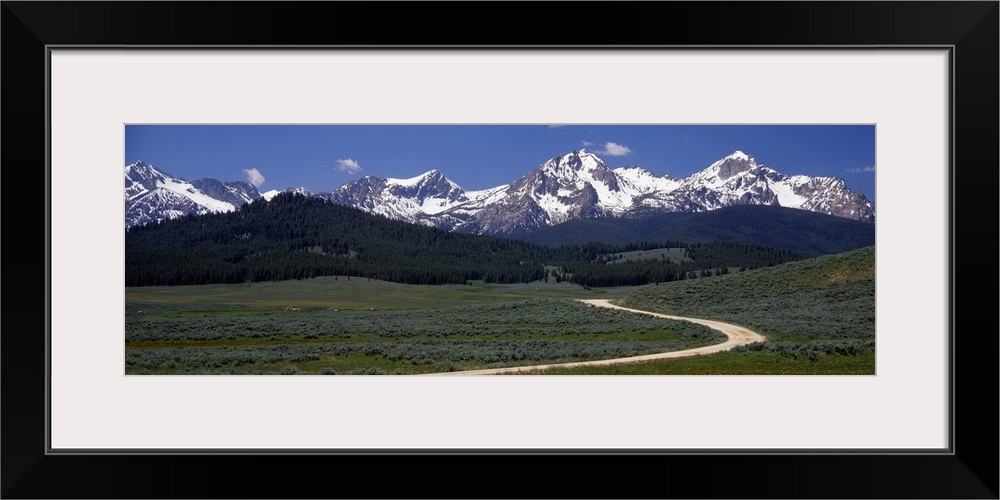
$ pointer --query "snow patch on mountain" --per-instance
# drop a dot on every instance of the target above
(638, 181)
(187, 190)
(785, 192)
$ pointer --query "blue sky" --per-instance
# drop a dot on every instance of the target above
(324, 157)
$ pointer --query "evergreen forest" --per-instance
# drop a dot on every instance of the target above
(297, 237)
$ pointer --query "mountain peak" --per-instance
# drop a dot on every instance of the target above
(585, 153)
(141, 166)
(578, 160)
(433, 176)
(733, 164)
(144, 174)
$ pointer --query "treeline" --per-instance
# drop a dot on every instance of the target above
(797, 230)
(295, 237)
(708, 259)
(724, 253)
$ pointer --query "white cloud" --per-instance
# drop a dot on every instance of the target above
(614, 149)
(254, 177)
(350, 166)
(588, 143)
(858, 170)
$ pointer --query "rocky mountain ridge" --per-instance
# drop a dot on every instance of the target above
(576, 185)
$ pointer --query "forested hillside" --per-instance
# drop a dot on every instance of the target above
(800, 231)
(295, 237)
(699, 260)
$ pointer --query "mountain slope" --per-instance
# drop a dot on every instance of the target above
(418, 199)
(797, 230)
(152, 195)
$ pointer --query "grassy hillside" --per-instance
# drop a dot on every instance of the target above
(676, 255)
(820, 305)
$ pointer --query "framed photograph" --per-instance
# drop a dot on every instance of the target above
(926, 91)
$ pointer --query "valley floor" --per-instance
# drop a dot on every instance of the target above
(817, 316)
(339, 326)
(736, 336)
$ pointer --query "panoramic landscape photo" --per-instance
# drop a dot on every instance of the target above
(499, 249)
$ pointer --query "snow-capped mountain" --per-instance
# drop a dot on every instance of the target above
(738, 179)
(152, 195)
(580, 185)
(424, 199)
(575, 185)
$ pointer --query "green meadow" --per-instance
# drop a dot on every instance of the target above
(818, 316)
(340, 326)
(340, 292)
(675, 255)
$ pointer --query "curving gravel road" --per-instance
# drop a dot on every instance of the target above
(736, 336)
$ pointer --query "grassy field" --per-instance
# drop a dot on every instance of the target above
(329, 326)
(818, 315)
(676, 255)
(737, 363)
(343, 293)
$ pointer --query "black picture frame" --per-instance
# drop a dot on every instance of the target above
(969, 28)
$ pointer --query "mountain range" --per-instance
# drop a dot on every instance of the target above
(576, 185)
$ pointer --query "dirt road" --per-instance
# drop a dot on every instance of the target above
(737, 336)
